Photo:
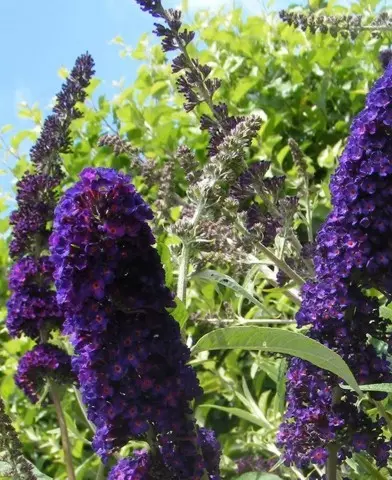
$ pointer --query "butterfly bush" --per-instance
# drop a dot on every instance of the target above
(32, 307)
(130, 360)
(353, 254)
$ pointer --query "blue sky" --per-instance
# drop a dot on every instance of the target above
(38, 37)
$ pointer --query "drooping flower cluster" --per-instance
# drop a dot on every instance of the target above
(353, 253)
(32, 308)
(44, 361)
(131, 363)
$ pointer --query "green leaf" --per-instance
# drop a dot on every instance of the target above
(369, 468)
(278, 340)
(7, 386)
(238, 412)
(158, 87)
(164, 252)
(63, 72)
(386, 311)
(376, 387)
(243, 88)
(6, 128)
(179, 313)
(257, 476)
(232, 284)
(6, 470)
(17, 139)
(94, 83)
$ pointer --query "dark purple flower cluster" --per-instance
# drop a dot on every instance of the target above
(136, 468)
(317, 416)
(32, 307)
(36, 201)
(211, 451)
(353, 253)
(43, 362)
(269, 217)
(54, 138)
(385, 57)
(154, 7)
(131, 362)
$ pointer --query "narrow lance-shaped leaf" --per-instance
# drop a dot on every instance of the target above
(212, 275)
(278, 340)
(376, 387)
(240, 413)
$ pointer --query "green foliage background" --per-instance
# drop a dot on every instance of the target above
(305, 87)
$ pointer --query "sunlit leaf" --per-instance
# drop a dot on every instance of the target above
(277, 340)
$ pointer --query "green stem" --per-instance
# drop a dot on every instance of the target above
(54, 395)
(63, 431)
(83, 410)
(332, 462)
(308, 210)
(282, 265)
(101, 472)
(199, 210)
(183, 272)
(253, 321)
(298, 247)
(184, 262)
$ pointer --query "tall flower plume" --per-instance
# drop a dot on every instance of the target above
(32, 308)
(131, 362)
(353, 253)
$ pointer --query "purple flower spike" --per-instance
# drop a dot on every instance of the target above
(131, 362)
(353, 253)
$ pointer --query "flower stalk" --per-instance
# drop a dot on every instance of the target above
(332, 462)
(183, 272)
(54, 394)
